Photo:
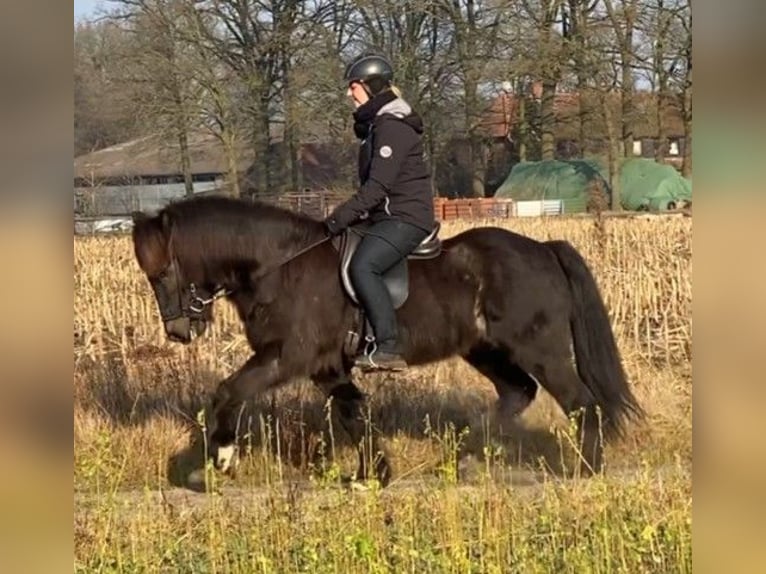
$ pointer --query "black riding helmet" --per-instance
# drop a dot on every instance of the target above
(374, 71)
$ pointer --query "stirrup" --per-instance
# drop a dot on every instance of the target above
(364, 359)
(370, 346)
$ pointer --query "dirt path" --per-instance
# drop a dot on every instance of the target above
(524, 483)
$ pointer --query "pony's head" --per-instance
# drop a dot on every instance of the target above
(183, 305)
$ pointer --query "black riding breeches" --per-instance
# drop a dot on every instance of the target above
(384, 245)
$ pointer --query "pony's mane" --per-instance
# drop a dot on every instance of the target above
(219, 206)
(224, 228)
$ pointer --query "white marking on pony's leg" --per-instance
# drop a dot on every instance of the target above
(572, 353)
(226, 458)
(479, 318)
(481, 324)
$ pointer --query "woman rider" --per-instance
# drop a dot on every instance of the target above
(394, 198)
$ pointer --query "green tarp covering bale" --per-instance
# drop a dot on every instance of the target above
(570, 181)
(646, 185)
(581, 184)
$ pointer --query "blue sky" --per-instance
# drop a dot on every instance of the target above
(86, 8)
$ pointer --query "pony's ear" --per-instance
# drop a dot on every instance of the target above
(165, 221)
(159, 222)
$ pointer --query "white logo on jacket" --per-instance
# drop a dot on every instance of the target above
(386, 151)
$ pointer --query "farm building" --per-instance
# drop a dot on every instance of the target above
(146, 174)
(143, 174)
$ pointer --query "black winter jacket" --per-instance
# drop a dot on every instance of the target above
(395, 181)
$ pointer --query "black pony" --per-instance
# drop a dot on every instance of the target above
(522, 312)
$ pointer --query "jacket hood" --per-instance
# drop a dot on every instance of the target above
(400, 109)
(414, 121)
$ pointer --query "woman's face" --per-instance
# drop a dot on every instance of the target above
(357, 94)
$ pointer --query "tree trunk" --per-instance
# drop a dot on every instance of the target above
(430, 143)
(523, 127)
(686, 167)
(296, 174)
(475, 163)
(549, 72)
(183, 137)
(230, 149)
(623, 30)
(627, 99)
(548, 120)
(290, 159)
(578, 32)
(582, 115)
(261, 143)
(660, 151)
(614, 153)
(686, 104)
(183, 144)
(181, 124)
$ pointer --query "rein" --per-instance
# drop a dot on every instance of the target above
(287, 260)
(198, 303)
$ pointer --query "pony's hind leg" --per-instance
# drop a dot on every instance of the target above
(349, 407)
(515, 388)
(560, 378)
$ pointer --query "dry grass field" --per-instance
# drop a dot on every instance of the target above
(471, 493)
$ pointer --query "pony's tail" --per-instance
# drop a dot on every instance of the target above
(598, 358)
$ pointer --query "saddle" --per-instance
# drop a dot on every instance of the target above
(396, 279)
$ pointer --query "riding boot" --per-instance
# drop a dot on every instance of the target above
(385, 357)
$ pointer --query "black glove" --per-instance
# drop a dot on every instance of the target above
(332, 226)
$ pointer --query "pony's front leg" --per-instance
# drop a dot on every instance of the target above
(349, 406)
(261, 372)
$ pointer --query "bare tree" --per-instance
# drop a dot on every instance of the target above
(246, 39)
(576, 29)
(103, 100)
(475, 26)
(548, 57)
(217, 105)
(162, 65)
(685, 80)
(606, 75)
(399, 30)
(267, 74)
(661, 73)
(317, 104)
(623, 17)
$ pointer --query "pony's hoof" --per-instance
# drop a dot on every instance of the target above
(352, 483)
(358, 486)
(196, 480)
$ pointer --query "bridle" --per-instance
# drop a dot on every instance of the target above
(197, 304)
